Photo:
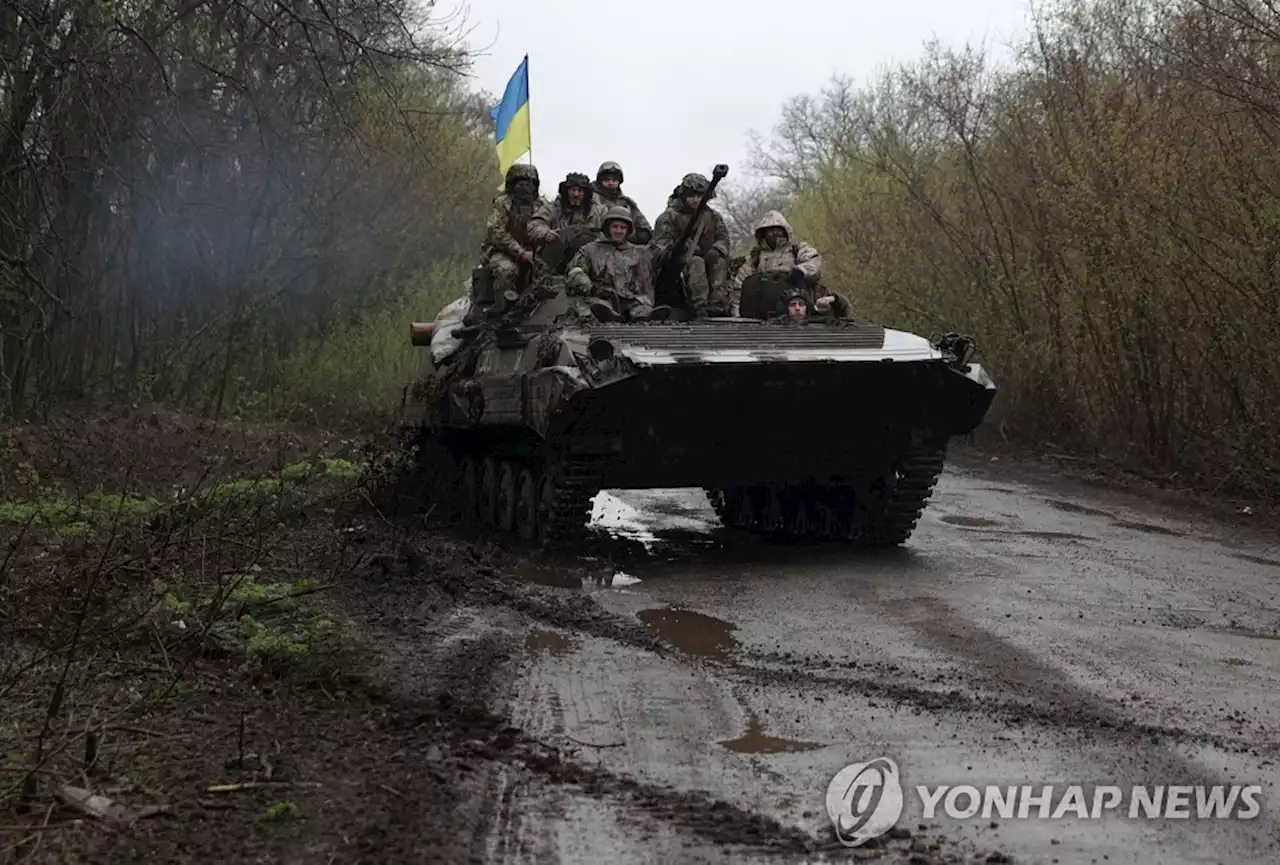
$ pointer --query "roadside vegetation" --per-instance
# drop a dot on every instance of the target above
(216, 221)
(1103, 215)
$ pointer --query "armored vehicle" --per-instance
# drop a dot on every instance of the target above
(823, 428)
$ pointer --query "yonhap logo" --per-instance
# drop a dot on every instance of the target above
(864, 800)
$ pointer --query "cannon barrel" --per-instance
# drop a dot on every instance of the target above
(420, 332)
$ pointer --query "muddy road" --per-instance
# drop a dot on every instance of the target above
(1028, 634)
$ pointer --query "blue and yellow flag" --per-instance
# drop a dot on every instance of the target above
(513, 133)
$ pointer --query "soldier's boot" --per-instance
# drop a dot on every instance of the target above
(642, 311)
(602, 310)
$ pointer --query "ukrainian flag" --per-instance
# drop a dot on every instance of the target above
(513, 132)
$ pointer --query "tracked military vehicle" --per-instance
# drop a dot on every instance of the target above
(824, 429)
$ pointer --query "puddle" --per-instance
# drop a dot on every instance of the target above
(662, 516)
(970, 522)
(1237, 662)
(1055, 535)
(616, 517)
(756, 741)
(1147, 527)
(1257, 560)
(1072, 508)
(691, 632)
(540, 642)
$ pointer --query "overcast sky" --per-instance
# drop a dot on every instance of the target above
(665, 87)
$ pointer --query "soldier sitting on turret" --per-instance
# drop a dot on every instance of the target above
(608, 193)
(776, 254)
(706, 265)
(574, 206)
(506, 241)
(615, 274)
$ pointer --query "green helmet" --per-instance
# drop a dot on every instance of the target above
(522, 171)
(614, 214)
(609, 168)
(694, 184)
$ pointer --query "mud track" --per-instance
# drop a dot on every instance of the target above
(673, 693)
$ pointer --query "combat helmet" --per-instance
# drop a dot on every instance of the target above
(576, 180)
(610, 168)
(614, 214)
(694, 184)
(772, 219)
(522, 171)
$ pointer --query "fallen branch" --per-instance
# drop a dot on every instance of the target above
(252, 785)
(94, 805)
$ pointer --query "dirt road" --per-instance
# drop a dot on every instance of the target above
(1028, 634)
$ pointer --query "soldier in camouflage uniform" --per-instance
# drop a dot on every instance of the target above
(575, 205)
(608, 193)
(777, 255)
(614, 273)
(706, 265)
(506, 240)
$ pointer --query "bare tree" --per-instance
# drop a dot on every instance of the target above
(185, 186)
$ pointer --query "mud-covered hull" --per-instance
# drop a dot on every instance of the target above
(797, 426)
(788, 421)
(685, 406)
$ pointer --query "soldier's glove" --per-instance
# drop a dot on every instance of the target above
(577, 282)
(711, 257)
(797, 275)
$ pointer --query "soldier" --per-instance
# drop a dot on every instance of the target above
(506, 239)
(608, 193)
(797, 305)
(575, 205)
(706, 264)
(614, 273)
(776, 254)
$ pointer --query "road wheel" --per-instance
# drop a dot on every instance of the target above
(527, 490)
(754, 502)
(505, 516)
(546, 506)
(773, 519)
(470, 490)
(821, 508)
(488, 513)
(800, 523)
(736, 511)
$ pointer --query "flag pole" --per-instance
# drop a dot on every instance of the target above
(529, 103)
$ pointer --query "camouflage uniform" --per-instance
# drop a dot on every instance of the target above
(616, 275)
(706, 265)
(507, 229)
(641, 233)
(790, 258)
(559, 214)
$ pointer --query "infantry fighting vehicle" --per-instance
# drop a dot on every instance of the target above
(823, 429)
